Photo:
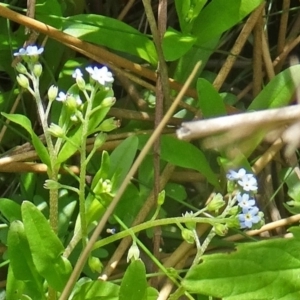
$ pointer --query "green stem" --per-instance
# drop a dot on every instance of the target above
(53, 170)
(83, 164)
(153, 223)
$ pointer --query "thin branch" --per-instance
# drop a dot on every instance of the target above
(243, 121)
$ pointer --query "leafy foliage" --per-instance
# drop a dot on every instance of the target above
(74, 120)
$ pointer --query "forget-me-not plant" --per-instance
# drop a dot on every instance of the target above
(246, 186)
(83, 111)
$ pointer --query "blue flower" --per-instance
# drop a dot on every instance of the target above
(29, 51)
(249, 218)
(62, 97)
(248, 183)
(102, 76)
(233, 175)
(245, 202)
(77, 74)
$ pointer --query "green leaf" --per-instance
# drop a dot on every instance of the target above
(95, 290)
(49, 12)
(291, 178)
(134, 283)
(152, 293)
(21, 261)
(183, 42)
(28, 184)
(219, 16)
(125, 208)
(37, 143)
(279, 91)
(103, 171)
(187, 62)
(261, 270)
(183, 154)
(65, 212)
(175, 191)
(211, 103)
(10, 209)
(187, 11)
(14, 287)
(100, 113)
(100, 30)
(45, 246)
(70, 147)
(121, 160)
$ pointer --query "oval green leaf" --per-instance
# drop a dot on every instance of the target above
(279, 91)
(261, 270)
(219, 16)
(183, 42)
(134, 283)
(210, 102)
(37, 143)
(45, 246)
(100, 30)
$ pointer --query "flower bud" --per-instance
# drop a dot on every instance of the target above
(37, 70)
(109, 125)
(216, 203)
(51, 184)
(56, 131)
(220, 229)
(161, 198)
(133, 252)
(21, 68)
(80, 83)
(23, 81)
(233, 211)
(103, 186)
(187, 235)
(108, 102)
(189, 225)
(231, 186)
(95, 264)
(52, 93)
(233, 222)
(100, 140)
(71, 103)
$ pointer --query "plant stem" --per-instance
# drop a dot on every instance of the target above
(53, 170)
(83, 164)
(153, 223)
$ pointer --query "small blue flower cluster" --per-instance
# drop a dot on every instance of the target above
(247, 186)
(29, 51)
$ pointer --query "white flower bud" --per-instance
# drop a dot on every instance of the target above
(133, 252)
(81, 83)
(51, 184)
(21, 68)
(37, 70)
(52, 93)
(71, 103)
(23, 81)
(56, 131)
(103, 186)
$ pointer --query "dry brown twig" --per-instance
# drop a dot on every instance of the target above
(245, 123)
